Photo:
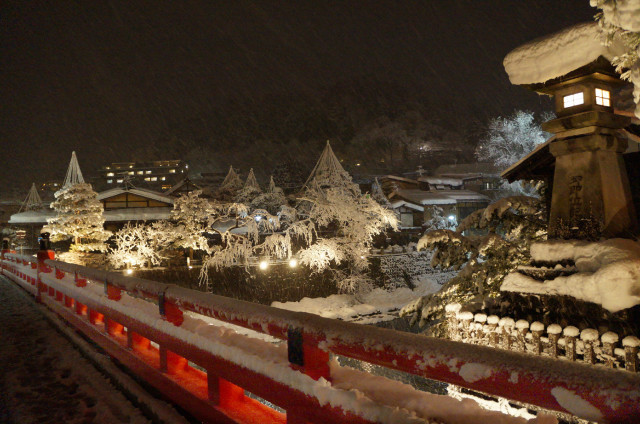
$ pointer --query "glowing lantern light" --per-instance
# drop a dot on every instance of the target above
(264, 265)
(129, 271)
(293, 263)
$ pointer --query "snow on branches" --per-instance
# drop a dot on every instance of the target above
(498, 241)
(79, 217)
(620, 19)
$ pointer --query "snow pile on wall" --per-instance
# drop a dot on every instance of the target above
(411, 265)
(608, 272)
(558, 54)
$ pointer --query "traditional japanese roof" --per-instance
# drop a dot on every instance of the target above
(537, 165)
(113, 215)
(400, 203)
(454, 182)
(439, 197)
(184, 186)
(149, 194)
(463, 170)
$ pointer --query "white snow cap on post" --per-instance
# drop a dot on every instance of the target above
(74, 174)
(558, 54)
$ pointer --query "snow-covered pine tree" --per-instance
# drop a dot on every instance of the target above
(378, 195)
(230, 186)
(250, 190)
(78, 213)
(190, 216)
(512, 224)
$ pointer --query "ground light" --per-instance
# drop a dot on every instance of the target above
(264, 265)
(129, 271)
(293, 263)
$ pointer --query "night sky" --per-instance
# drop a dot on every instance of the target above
(241, 82)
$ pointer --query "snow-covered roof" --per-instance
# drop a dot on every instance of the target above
(441, 181)
(150, 194)
(540, 151)
(440, 197)
(400, 203)
(470, 169)
(186, 181)
(558, 54)
(114, 215)
(395, 177)
(32, 217)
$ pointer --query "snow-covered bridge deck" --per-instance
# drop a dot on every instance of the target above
(168, 336)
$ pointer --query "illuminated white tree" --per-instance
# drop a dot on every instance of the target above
(510, 139)
(78, 213)
(333, 225)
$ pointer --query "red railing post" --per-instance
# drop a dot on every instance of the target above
(43, 254)
(305, 355)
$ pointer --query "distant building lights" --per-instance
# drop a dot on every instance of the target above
(293, 263)
(264, 265)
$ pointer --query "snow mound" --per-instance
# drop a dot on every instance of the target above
(608, 272)
(558, 54)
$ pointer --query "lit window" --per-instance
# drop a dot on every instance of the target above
(172, 171)
(131, 172)
(603, 97)
(119, 180)
(573, 100)
(108, 167)
(140, 172)
(147, 179)
(109, 174)
(148, 172)
(163, 178)
(154, 178)
(130, 166)
(109, 181)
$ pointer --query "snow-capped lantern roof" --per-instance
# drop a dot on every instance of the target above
(558, 55)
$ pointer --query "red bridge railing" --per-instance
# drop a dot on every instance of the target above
(157, 331)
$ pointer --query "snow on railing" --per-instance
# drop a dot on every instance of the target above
(165, 334)
(570, 343)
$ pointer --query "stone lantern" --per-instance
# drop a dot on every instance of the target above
(583, 161)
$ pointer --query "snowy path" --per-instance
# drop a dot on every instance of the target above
(43, 379)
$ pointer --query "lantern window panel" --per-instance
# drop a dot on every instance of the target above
(603, 97)
(573, 99)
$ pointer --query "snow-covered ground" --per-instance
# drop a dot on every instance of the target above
(44, 379)
(375, 306)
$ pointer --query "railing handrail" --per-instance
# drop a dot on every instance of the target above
(444, 360)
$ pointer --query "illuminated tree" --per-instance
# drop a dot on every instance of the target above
(78, 213)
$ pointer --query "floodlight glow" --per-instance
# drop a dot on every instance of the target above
(129, 271)
(293, 263)
(258, 218)
(263, 265)
(452, 218)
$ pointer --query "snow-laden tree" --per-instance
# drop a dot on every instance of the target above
(332, 228)
(511, 225)
(272, 201)
(78, 217)
(509, 139)
(140, 245)
(78, 213)
(621, 19)
(230, 186)
(188, 221)
(249, 191)
(378, 195)
(438, 220)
